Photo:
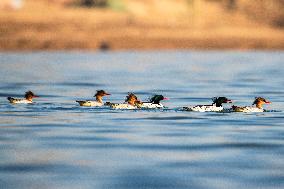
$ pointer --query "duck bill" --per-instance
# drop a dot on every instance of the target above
(165, 98)
(106, 94)
(267, 102)
(35, 96)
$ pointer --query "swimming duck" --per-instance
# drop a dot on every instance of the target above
(216, 106)
(98, 102)
(259, 101)
(29, 95)
(131, 102)
(154, 102)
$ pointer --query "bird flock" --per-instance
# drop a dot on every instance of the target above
(132, 102)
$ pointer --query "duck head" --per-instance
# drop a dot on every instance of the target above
(259, 101)
(157, 98)
(132, 99)
(220, 100)
(29, 95)
(99, 95)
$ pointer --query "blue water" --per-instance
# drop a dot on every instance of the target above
(54, 143)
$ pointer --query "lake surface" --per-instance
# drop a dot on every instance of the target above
(54, 143)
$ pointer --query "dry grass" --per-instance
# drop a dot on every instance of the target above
(143, 24)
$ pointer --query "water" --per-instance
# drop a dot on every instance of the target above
(54, 143)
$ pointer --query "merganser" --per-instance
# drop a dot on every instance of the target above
(131, 102)
(29, 95)
(154, 102)
(259, 101)
(98, 102)
(216, 106)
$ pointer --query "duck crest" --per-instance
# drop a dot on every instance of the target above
(29, 95)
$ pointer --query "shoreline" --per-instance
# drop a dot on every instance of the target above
(139, 51)
(56, 28)
(198, 45)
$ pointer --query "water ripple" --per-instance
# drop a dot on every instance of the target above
(55, 143)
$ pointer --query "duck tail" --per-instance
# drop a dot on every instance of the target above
(80, 102)
(107, 103)
(10, 99)
(186, 109)
(111, 104)
(234, 107)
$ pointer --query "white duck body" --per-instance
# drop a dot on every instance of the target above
(19, 101)
(150, 105)
(90, 103)
(205, 108)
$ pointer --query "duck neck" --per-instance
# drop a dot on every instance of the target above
(99, 99)
(218, 104)
(259, 105)
(29, 99)
(131, 102)
(156, 102)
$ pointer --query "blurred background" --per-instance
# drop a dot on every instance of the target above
(141, 24)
